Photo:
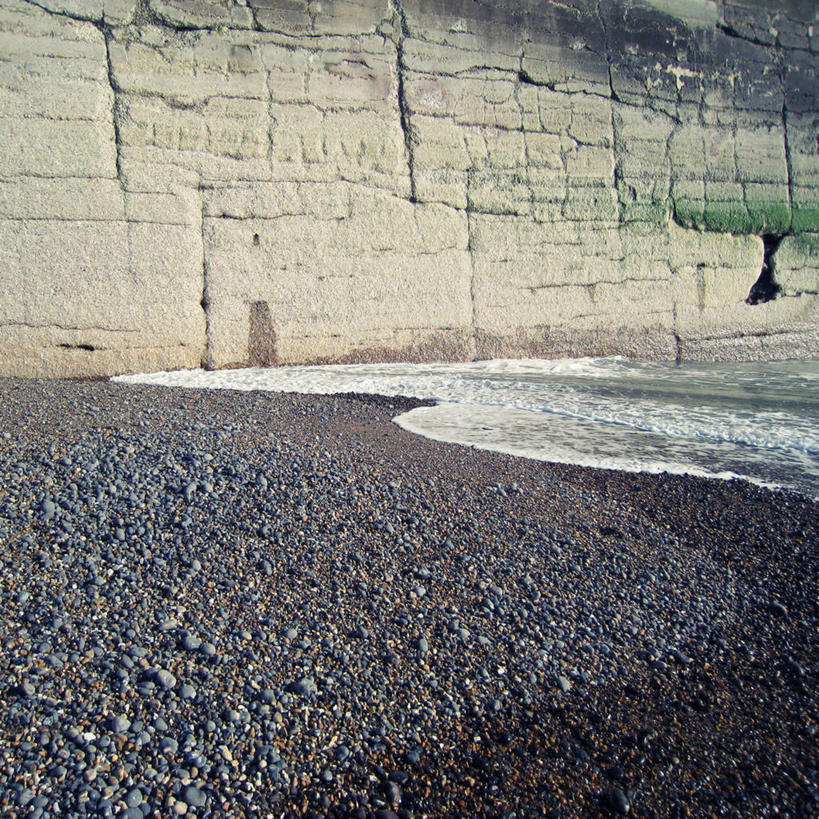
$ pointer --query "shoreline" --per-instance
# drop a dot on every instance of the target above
(480, 633)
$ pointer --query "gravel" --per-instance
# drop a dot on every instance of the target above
(250, 604)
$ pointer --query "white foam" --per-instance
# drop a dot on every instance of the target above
(749, 420)
(522, 433)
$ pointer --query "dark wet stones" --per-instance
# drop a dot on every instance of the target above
(134, 798)
(119, 724)
(616, 801)
(162, 677)
(48, 508)
(193, 796)
(450, 663)
(190, 642)
(305, 687)
(25, 690)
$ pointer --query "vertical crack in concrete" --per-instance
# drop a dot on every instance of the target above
(254, 17)
(675, 334)
(788, 160)
(205, 302)
(471, 253)
(403, 105)
(108, 36)
(617, 173)
(785, 135)
(470, 249)
(527, 159)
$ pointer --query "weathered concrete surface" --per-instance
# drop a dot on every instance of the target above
(274, 181)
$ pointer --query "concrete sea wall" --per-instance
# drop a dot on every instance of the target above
(234, 182)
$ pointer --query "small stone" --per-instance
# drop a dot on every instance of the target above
(422, 645)
(134, 798)
(777, 608)
(26, 690)
(190, 642)
(168, 745)
(306, 687)
(230, 715)
(617, 802)
(187, 692)
(193, 796)
(393, 792)
(120, 724)
(564, 684)
(164, 678)
(291, 633)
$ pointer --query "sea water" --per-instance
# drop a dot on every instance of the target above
(754, 421)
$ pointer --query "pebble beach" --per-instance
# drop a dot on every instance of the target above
(216, 603)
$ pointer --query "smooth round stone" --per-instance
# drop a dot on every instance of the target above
(134, 798)
(190, 642)
(168, 745)
(775, 607)
(306, 687)
(618, 802)
(208, 649)
(164, 678)
(187, 692)
(27, 690)
(393, 792)
(120, 724)
(193, 796)
(230, 715)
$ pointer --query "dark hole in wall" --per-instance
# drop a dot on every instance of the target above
(255, 239)
(88, 347)
(261, 344)
(765, 287)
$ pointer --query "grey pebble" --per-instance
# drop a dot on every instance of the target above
(190, 642)
(164, 678)
(775, 607)
(134, 798)
(193, 796)
(306, 687)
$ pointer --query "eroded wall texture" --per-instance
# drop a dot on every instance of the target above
(233, 182)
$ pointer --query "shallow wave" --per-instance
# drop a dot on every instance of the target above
(759, 420)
